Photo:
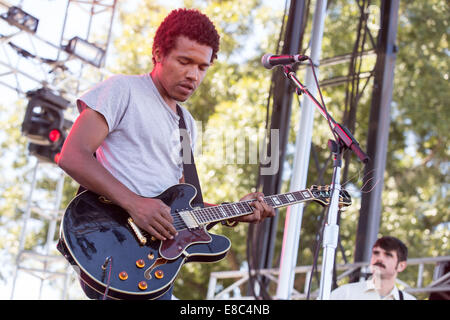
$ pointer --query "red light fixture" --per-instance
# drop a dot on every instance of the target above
(54, 135)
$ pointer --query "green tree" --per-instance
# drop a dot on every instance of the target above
(231, 108)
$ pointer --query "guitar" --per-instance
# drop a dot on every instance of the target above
(118, 259)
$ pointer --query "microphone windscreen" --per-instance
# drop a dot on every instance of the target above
(265, 60)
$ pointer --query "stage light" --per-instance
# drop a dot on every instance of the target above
(86, 51)
(54, 135)
(44, 117)
(22, 20)
(45, 153)
(52, 152)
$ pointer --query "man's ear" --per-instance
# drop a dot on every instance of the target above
(157, 56)
(401, 266)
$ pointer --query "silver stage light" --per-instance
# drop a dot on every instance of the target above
(86, 51)
(21, 19)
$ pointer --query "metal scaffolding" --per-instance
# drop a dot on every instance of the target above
(438, 282)
(41, 47)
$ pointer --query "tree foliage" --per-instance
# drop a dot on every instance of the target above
(230, 107)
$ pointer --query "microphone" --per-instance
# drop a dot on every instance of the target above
(269, 60)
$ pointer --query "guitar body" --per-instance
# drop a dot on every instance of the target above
(97, 238)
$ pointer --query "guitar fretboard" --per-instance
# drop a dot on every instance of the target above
(237, 209)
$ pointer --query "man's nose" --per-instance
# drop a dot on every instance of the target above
(192, 73)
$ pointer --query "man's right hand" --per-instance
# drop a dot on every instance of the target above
(153, 216)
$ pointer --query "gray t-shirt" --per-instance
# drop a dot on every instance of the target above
(142, 149)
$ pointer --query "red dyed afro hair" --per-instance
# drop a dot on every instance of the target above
(190, 23)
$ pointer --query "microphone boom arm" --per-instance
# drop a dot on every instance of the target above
(346, 139)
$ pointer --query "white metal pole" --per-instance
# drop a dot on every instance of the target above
(27, 216)
(294, 214)
(52, 228)
(330, 237)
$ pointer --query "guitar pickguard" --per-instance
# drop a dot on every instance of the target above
(173, 248)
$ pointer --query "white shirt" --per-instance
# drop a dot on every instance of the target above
(365, 290)
(142, 149)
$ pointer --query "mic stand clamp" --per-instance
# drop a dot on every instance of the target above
(344, 140)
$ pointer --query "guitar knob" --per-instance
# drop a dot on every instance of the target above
(140, 263)
(142, 285)
(151, 256)
(123, 275)
(159, 274)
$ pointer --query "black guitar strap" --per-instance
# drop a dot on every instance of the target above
(189, 169)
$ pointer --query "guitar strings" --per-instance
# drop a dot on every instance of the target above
(212, 214)
(359, 177)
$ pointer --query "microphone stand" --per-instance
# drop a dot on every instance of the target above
(345, 140)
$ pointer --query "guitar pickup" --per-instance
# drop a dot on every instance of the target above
(189, 219)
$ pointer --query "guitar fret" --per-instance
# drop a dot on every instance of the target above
(204, 215)
(222, 211)
(283, 199)
(227, 210)
(269, 201)
(247, 207)
(211, 213)
(297, 195)
(201, 217)
(306, 194)
(234, 206)
(241, 207)
(230, 210)
(276, 200)
(290, 197)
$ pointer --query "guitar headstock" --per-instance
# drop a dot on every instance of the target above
(322, 195)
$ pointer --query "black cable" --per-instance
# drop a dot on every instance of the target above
(316, 252)
(108, 261)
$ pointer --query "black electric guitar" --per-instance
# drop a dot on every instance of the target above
(119, 260)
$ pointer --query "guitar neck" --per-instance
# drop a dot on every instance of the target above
(242, 208)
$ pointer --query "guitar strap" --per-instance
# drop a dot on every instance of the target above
(189, 169)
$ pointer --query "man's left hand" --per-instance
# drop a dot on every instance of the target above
(261, 210)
